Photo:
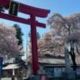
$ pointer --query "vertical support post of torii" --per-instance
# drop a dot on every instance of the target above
(35, 64)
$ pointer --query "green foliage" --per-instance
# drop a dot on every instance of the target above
(18, 34)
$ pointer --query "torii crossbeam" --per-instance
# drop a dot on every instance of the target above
(33, 12)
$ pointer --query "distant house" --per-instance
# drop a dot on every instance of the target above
(13, 70)
(54, 66)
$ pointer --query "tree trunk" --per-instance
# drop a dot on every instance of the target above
(73, 57)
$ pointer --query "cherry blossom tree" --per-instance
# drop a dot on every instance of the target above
(68, 28)
(8, 42)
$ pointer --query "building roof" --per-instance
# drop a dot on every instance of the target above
(11, 66)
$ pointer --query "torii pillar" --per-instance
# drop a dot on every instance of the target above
(33, 12)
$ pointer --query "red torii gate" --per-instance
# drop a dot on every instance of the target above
(33, 12)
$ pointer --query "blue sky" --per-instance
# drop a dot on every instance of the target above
(64, 7)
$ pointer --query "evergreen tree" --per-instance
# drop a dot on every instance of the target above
(18, 58)
(18, 34)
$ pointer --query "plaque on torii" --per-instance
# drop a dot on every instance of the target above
(33, 12)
